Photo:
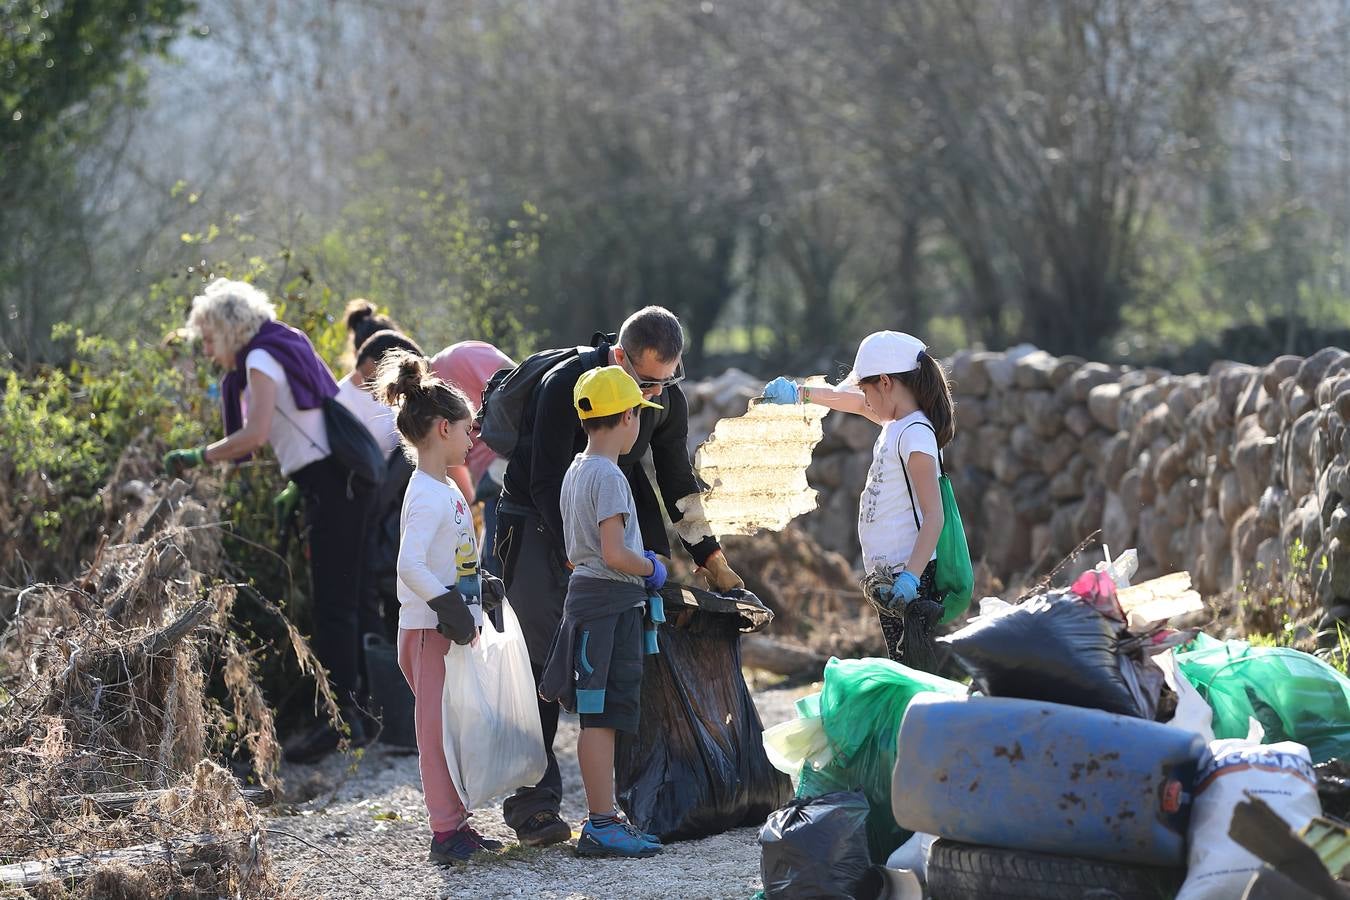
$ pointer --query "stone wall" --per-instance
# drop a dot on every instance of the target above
(1240, 475)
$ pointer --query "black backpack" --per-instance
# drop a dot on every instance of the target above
(507, 393)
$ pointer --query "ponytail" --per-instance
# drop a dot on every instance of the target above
(405, 382)
(928, 384)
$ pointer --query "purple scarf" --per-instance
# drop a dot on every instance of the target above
(311, 382)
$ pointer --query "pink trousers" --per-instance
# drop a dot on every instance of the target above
(421, 656)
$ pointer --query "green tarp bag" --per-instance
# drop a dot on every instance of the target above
(860, 705)
(955, 575)
(1295, 696)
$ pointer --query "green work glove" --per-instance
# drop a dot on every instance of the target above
(176, 462)
(285, 503)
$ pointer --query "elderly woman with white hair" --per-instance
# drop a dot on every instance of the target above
(273, 393)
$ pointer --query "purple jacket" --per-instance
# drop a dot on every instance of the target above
(311, 382)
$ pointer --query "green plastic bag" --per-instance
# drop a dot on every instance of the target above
(1295, 696)
(955, 576)
(860, 705)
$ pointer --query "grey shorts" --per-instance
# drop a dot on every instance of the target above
(623, 686)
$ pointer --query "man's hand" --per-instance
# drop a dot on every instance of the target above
(176, 462)
(781, 390)
(719, 575)
(284, 504)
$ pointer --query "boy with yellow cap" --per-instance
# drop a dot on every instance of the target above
(595, 667)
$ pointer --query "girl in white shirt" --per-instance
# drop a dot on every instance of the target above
(433, 421)
(898, 385)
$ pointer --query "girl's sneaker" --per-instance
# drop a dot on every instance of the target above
(616, 838)
(459, 846)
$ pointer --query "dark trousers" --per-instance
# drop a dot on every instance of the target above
(536, 584)
(335, 519)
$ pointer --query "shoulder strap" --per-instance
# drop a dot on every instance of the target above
(296, 425)
(914, 506)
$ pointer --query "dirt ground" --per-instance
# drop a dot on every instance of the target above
(361, 832)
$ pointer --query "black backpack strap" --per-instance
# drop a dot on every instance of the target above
(913, 506)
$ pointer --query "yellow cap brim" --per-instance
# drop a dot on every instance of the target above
(649, 404)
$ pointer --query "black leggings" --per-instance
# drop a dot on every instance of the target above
(336, 510)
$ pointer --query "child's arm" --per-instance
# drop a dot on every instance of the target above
(923, 473)
(617, 555)
(419, 527)
(784, 390)
(843, 401)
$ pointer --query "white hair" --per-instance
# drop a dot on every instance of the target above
(233, 310)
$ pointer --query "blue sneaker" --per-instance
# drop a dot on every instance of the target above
(616, 839)
(649, 838)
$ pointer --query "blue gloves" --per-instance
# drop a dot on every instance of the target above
(905, 589)
(656, 580)
(781, 390)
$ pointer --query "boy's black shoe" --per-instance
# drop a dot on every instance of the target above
(543, 828)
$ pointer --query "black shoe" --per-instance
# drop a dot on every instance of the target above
(543, 828)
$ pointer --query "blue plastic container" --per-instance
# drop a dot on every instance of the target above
(1030, 775)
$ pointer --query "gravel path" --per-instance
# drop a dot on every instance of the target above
(356, 828)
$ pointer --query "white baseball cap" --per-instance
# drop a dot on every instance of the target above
(885, 353)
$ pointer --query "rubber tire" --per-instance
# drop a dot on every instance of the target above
(959, 871)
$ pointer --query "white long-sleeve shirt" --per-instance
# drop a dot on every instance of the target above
(435, 522)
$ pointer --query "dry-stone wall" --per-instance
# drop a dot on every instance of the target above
(1241, 475)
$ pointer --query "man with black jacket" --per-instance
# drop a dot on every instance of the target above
(530, 532)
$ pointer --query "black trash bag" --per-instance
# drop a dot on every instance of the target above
(1053, 648)
(1333, 788)
(697, 765)
(816, 848)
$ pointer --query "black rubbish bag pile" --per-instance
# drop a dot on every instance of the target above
(1075, 646)
(697, 765)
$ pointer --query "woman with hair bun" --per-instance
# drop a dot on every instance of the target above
(273, 394)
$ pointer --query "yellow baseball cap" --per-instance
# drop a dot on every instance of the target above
(606, 391)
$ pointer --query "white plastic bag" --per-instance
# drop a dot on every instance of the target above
(491, 733)
(797, 742)
(1279, 774)
(1193, 713)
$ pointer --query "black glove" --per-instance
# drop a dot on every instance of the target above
(453, 619)
(494, 591)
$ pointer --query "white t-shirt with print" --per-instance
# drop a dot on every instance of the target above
(435, 523)
(376, 416)
(886, 526)
(298, 436)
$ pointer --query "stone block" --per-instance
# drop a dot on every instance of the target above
(1315, 367)
(1104, 404)
(1032, 372)
(1231, 503)
(1277, 371)
(1056, 453)
(1118, 526)
(1089, 376)
(1040, 412)
(1079, 420)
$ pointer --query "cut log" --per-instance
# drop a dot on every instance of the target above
(760, 651)
(119, 803)
(80, 866)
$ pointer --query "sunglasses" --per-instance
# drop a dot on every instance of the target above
(662, 383)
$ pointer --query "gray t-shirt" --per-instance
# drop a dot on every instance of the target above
(593, 490)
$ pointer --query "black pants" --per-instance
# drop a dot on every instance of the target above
(536, 584)
(335, 520)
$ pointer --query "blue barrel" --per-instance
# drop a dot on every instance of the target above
(1030, 775)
